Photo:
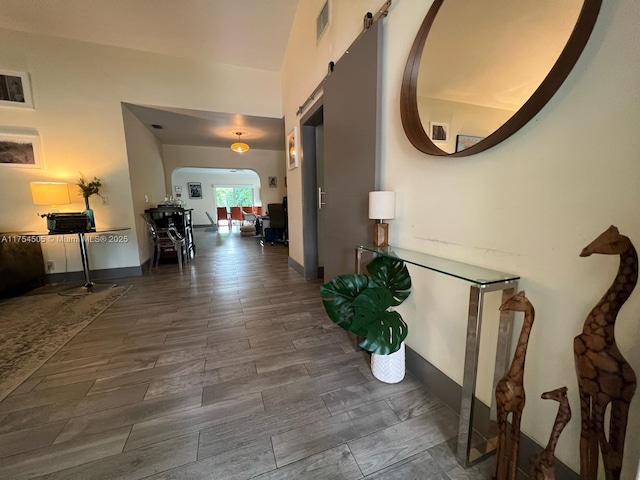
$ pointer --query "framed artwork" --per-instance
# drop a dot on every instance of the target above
(195, 189)
(466, 141)
(439, 132)
(292, 148)
(15, 89)
(20, 150)
(273, 182)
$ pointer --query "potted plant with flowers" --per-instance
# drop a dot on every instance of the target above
(363, 305)
(88, 188)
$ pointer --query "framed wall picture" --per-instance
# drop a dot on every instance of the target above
(439, 132)
(466, 141)
(15, 89)
(292, 148)
(195, 189)
(273, 182)
(20, 150)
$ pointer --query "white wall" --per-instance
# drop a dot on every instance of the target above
(146, 174)
(208, 179)
(266, 163)
(527, 206)
(78, 88)
(462, 119)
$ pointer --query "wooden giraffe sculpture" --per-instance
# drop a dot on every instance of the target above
(542, 465)
(510, 395)
(604, 376)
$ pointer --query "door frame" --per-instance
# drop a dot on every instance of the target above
(308, 124)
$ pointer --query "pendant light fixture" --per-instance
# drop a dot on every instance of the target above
(239, 146)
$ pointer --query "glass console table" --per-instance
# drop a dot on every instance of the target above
(482, 281)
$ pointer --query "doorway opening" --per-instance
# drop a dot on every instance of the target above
(221, 187)
(312, 127)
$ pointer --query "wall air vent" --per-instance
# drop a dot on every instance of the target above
(322, 21)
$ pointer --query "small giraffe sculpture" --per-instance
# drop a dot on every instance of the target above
(510, 397)
(542, 465)
(604, 376)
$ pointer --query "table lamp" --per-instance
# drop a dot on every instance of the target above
(50, 193)
(382, 206)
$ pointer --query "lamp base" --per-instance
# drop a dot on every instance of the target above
(381, 234)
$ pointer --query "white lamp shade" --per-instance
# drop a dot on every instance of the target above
(382, 205)
(50, 193)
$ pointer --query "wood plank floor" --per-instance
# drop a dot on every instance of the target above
(228, 370)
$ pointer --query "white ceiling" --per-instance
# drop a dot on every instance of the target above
(210, 129)
(247, 33)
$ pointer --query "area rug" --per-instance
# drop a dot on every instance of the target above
(34, 327)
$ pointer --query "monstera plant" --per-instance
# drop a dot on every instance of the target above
(364, 304)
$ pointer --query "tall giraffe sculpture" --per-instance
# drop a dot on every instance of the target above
(510, 397)
(542, 465)
(604, 376)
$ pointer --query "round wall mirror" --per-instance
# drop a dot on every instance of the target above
(478, 71)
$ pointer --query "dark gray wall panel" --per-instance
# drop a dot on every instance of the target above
(351, 96)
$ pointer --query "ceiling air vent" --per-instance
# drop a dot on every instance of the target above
(322, 21)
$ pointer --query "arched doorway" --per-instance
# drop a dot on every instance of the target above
(204, 189)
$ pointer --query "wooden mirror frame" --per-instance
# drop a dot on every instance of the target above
(410, 116)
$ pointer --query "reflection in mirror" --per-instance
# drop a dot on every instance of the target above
(483, 69)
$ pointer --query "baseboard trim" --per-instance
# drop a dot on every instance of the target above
(450, 393)
(95, 274)
(296, 266)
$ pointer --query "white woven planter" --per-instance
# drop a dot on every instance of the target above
(389, 368)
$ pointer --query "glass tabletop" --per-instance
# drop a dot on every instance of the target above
(463, 271)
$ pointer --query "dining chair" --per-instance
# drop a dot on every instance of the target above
(188, 234)
(236, 214)
(165, 239)
(213, 226)
(223, 215)
(248, 216)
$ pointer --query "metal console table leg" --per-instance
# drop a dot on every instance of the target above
(89, 286)
(465, 454)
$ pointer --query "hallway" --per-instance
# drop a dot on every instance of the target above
(228, 370)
